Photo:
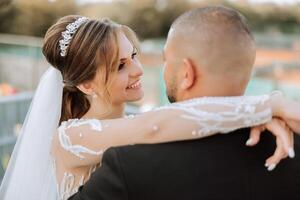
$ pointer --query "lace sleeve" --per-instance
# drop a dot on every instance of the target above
(83, 141)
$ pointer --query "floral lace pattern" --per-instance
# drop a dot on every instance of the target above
(208, 114)
(65, 140)
(241, 109)
(68, 185)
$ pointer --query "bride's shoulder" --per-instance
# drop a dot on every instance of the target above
(80, 124)
(78, 127)
(74, 129)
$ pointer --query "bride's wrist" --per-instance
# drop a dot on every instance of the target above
(277, 103)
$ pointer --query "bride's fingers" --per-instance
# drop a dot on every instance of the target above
(282, 132)
(294, 125)
(284, 141)
(290, 132)
(291, 114)
(292, 154)
(255, 135)
(279, 154)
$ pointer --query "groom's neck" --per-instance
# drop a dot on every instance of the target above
(213, 90)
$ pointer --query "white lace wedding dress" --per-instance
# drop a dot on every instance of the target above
(78, 144)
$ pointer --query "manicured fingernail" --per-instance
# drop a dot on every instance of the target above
(249, 142)
(291, 153)
(266, 165)
(271, 167)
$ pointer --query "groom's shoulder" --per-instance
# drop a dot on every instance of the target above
(169, 149)
(220, 145)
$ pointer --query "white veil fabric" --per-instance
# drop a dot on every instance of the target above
(30, 173)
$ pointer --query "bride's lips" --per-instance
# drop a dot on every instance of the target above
(135, 85)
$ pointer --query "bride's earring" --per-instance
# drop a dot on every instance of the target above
(94, 95)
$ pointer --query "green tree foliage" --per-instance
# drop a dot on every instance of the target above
(154, 21)
(266, 17)
(149, 18)
(33, 17)
(4, 2)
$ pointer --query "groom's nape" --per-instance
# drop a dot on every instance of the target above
(216, 44)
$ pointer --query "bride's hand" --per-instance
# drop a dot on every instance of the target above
(286, 109)
(284, 140)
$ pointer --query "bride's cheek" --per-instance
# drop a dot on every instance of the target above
(120, 81)
(120, 84)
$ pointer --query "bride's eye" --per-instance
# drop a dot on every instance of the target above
(133, 55)
(121, 66)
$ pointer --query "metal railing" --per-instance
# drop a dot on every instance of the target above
(29, 62)
(13, 110)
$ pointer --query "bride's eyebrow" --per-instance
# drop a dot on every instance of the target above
(133, 51)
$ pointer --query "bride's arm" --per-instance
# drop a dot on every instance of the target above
(82, 142)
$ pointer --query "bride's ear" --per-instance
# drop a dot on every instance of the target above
(86, 88)
(189, 74)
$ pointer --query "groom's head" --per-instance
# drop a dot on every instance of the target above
(209, 52)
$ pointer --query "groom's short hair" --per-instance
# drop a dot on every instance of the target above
(214, 15)
(219, 38)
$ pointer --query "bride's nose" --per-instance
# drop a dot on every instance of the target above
(136, 69)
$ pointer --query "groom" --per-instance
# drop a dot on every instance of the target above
(209, 52)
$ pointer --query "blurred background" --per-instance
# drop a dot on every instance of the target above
(23, 23)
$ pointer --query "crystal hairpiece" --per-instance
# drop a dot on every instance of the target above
(67, 35)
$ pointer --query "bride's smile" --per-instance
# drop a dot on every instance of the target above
(126, 85)
(136, 85)
(77, 116)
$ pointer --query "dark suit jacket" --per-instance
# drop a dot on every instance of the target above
(218, 167)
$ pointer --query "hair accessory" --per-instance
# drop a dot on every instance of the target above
(67, 35)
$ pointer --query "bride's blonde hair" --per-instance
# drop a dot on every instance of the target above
(92, 49)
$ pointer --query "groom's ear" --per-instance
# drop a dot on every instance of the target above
(86, 88)
(189, 74)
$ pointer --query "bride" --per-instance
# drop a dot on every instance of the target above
(78, 111)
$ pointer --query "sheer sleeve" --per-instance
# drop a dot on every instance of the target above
(81, 142)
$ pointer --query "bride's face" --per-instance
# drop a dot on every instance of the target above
(126, 83)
